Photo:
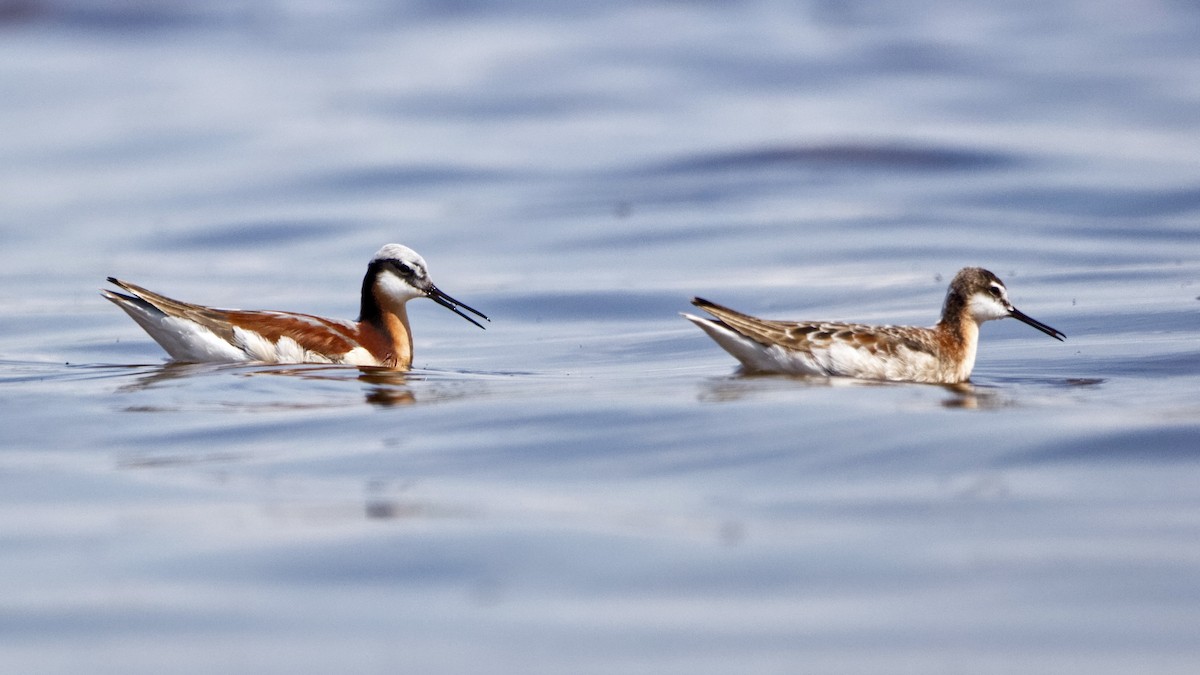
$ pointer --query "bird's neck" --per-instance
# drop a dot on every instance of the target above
(389, 318)
(395, 327)
(958, 336)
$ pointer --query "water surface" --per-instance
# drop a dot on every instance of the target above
(588, 485)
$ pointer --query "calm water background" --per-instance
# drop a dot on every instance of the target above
(587, 486)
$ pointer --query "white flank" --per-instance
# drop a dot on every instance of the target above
(359, 356)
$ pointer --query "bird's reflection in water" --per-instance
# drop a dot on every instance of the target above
(965, 396)
(378, 386)
(991, 394)
(383, 387)
(387, 387)
(152, 376)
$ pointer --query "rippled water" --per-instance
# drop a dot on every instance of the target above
(587, 485)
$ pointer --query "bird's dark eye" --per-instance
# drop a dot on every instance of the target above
(994, 291)
(403, 269)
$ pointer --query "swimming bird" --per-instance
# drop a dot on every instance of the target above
(942, 354)
(380, 337)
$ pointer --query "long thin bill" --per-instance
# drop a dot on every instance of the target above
(453, 305)
(1025, 318)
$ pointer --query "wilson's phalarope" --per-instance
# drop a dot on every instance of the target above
(380, 337)
(943, 354)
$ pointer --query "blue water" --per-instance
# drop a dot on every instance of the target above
(588, 485)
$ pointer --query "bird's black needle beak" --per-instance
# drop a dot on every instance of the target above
(1025, 318)
(435, 294)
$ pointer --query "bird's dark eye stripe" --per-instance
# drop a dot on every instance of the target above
(402, 268)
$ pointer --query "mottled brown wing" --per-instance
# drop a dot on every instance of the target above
(806, 336)
(762, 331)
